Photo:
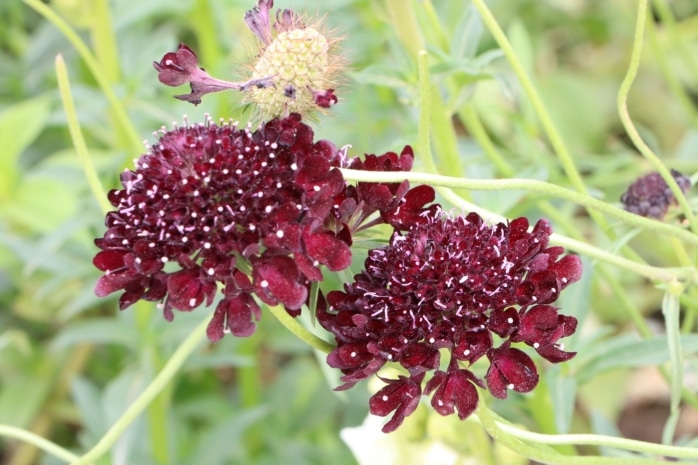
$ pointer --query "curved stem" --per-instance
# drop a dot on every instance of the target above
(592, 440)
(526, 185)
(513, 439)
(84, 52)
(78, 139)
(629, 126)
(545, 119)
(298, 330)
(168, 372)
(43, 444)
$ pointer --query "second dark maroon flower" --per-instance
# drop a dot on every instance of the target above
(452, 284)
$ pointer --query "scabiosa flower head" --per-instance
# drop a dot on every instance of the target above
(650, 196)
(212, 205)
(301, 59)
(451, 285)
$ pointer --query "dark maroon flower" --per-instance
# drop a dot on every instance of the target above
(450, 284)
(182, 66)
(208, 202)
(650, 196)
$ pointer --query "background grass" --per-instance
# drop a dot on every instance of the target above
(70, 363)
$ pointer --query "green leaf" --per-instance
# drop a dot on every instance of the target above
(627, 351)
(20, 125)
(226, 439)
(21, 397)
(86, 396)
(670, 310)
(563, 390)
(466, 36)
(41, 204)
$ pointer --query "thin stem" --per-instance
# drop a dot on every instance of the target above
(545, 119)
(650, 272)
(669, 76)
(171, 368)
(590, 439)
(629, 126)
(513, 439)
(423, 130)
(78, 139)
(298, 330)
(103, 41)
(472, 121)
(43, 444)
(406, 26)
(114, 102)
(526, 185)
(685, 52)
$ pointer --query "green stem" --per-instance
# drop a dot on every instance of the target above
(171, 368)
(423, 130)
(156, 415)
(78, 139)
(102, 33)
(513, 439)
(84, 52)
(685, 52)
(472, 121)
(43, 444)
(630, 128)
(297, 329)
(667, 274)
(670, 77)
(406, 26)
(250, 389)
(526, 185)
(545, 119)
(489, 422)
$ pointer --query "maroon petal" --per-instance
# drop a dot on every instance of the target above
(400, 395)
(109, 260)
(503, 322)
(455, 391)
(186, 290)
(471, 345)
(510, 369)
(111, 283)
(540, 326)
(327, 250)
(276, 280)
(568, 270)
(325, 98)
(175, 69)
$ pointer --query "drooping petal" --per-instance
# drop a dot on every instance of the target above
(510, 369)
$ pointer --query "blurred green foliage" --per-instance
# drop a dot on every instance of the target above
(70, 363)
